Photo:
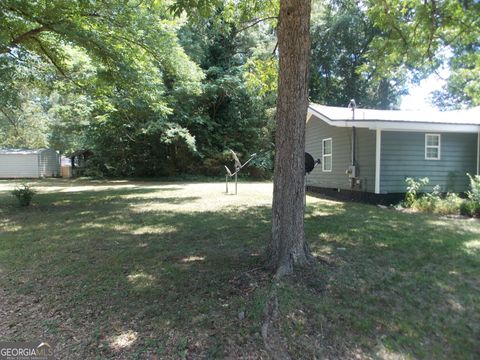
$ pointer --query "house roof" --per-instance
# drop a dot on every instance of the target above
(459, 120)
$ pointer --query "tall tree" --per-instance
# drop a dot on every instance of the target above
(341, 35)
(288, 245)
(229, 114)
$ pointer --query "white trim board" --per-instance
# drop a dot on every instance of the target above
(378, 149)
(478, 152)
(327, 155)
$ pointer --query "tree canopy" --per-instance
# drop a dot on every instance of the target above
(342, 34)
(166, 87)
(423, 35)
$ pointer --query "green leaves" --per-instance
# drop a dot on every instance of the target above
(108, 73)
(261, 76)
(425, 35)
(342, 35)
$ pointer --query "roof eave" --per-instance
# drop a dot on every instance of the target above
(395, 125)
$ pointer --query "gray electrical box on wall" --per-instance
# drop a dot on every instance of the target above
(351, 171)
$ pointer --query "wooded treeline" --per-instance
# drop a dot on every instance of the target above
(154, 92)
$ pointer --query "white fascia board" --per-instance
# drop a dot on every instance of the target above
(324, 118)
(409, 126)
(309, 116)
(397, 125)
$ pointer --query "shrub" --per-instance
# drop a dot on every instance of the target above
(471, 206)
(413, 187)
(429, 201)
(450, 205)
(433, 202)
(24, 194)
(468, 208)
(474, 192)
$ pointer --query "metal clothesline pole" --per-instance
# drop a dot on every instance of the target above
(305, 188)
(235, 182)
(238, 167)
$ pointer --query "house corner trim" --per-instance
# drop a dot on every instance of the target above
(478, 152)
(378, 148)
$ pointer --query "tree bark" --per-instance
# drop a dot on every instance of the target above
(288, 246)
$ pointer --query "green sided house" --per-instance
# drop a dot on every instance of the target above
(364, 151)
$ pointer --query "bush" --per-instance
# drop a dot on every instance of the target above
(451, 204)
(24, 194)
(433, 202)
(468, 208)
(474, 193)
(413, 187)
(429, 201)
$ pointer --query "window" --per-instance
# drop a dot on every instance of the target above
(432, 146)
(327, 154)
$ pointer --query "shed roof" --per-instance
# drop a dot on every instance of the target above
(21, 151)
(461, 120)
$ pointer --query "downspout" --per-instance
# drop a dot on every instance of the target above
(353, 145)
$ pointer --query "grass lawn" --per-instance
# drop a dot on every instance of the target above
(150, 270)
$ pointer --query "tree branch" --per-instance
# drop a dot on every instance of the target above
(50, 57)
(433, 12)
(55, 63)
(23, 37)
(255, 22)
(393, 25)
(274, 52)
(11, 121)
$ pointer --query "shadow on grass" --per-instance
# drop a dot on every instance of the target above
(402, 285)
(168, 279)
(169, 283)
(89, 199)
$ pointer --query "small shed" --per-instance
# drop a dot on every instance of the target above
(36, 163)
(78, 161)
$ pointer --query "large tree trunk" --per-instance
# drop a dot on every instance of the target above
(288, 246)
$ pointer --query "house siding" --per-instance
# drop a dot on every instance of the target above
(316, 131)
(403, 155)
